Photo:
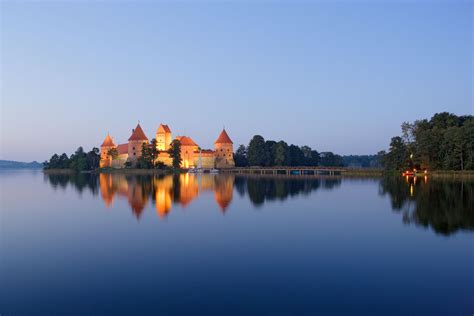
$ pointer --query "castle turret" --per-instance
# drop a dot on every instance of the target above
(135, 142)
(224, 151)
(188, 149)
(105, 159)
(163, 137)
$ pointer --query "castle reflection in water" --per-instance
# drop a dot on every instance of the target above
(445, 205)
(164, 191)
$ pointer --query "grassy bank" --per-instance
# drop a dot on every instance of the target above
(368, 172)
(59, 171)
(452, 174)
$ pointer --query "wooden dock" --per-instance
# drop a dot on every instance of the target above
(287, 170)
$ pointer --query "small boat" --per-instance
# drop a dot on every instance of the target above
(408, 173)
(195, 170)
(214, 170)
(415, 173)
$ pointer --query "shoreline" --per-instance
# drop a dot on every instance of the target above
(457, 174)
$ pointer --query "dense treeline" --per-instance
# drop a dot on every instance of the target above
(362, 161)
(446, 142)
(79, 161)
(261, 152)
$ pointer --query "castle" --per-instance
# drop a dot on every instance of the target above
(191, 154)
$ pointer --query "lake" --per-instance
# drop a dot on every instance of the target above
(225, 245)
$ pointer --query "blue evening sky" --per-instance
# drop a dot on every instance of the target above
(337, 76)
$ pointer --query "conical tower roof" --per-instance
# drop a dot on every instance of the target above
(108, 142)
(138, 134)
(223, 138)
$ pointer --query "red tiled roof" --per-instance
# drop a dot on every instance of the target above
(223, 138)
(108, 142)
(122, 149)
(186, 141)
(166, 129)
(138, 134)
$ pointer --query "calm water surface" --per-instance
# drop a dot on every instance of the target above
(224, 244)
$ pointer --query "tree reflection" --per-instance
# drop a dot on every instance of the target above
(79, 181)
(443, 204)
(271, 188)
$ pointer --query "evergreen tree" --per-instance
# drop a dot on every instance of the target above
(256, 151)
(282, 154)
(175, 153)
(153, 152)
(270, 147)
(240, 156)
(296, 156)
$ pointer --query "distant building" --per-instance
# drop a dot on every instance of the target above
(222, 156)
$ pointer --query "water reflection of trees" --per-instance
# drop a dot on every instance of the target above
(443, 204)
(79, 181)
(271, 188)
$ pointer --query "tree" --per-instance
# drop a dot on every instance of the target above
(78, 160)
(175, 153)
(315, 158)
(63, 162)
(93, 159)
(113, 153)
(145, 160)
(153, 152)
(453, 147)
(296, 156)
(256, 151)
(329, 159)
(270, 147)
(468, 132)
(240, 156)
(53, 162)
(443, 142)
(381, 158)
(282, 154)
(306, 150)
(397, 155)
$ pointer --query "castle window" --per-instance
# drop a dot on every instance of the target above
(134, 154)
(133, 148)
(222, 149)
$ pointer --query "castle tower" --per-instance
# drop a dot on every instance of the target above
(163, 137)
(188, 149)
(224, 151)
(135, 142)
(105, 159)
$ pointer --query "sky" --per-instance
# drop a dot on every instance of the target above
(336, 76)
